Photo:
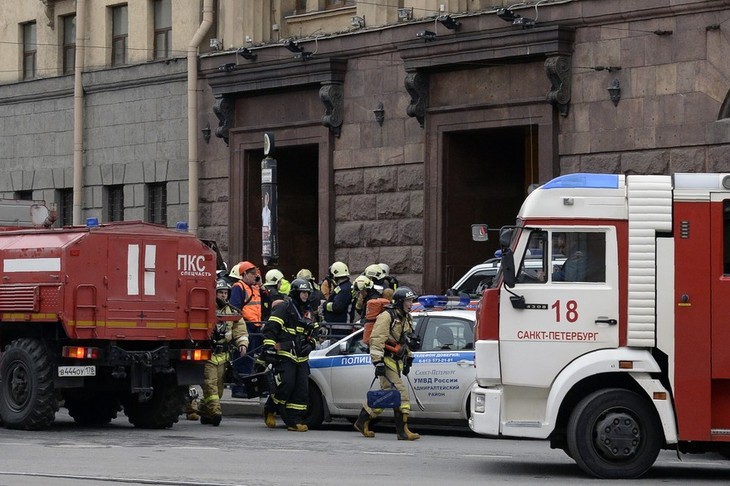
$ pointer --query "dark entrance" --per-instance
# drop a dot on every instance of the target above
(298, 185)
(486, 177)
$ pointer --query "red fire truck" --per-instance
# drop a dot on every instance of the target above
(615, 344)
(100, 317)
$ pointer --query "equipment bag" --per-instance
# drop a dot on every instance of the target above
(389, 398)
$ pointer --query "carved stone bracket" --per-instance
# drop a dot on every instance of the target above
(223, 109)
(333, 98)
(48, 9)
(558, 72)
(417, 86)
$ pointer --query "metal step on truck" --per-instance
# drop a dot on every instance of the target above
(100, 318)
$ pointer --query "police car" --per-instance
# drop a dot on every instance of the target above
(442, 373)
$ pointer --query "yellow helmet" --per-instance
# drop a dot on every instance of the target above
(374, 272)
(273, 277)
(339, 269)
(362, 282)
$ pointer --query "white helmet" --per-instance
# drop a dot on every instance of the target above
(305, 273)
(362, 282)
(385, 267)
(273, 277)
(374, 272)
(339, 269)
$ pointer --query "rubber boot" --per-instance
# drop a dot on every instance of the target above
(401, 427)
(269, 419)
(215, 420)
(297, 428)
(362, 424)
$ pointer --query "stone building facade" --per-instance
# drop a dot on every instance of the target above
(393, 131)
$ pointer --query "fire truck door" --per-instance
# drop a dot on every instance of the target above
(720, 278)
(567, 304)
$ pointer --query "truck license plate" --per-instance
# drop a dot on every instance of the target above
(67, 371)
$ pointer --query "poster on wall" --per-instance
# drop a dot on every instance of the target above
(269, 197)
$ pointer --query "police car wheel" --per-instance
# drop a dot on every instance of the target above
(315, 412)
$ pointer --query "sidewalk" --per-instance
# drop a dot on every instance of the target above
(240, 407)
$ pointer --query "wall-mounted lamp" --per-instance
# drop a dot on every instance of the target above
(426, 35)
(509, 16)
(299, 52)
(227, 67)
(379, 113)
(358, 22)
(246, 53)
(448, 22)
(405, 13)
(614, 91)
(206, 132)
(215, 44)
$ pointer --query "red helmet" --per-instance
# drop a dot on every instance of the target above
(240, 268)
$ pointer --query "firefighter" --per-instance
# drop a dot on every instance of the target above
(389, 281)
(271, 291)
(317, 297)
(375, 273)
(391, 355)
(225, 333)
(246, 295)
(337, 306)
(289, 336)
(361, 288)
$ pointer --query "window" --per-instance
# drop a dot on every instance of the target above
(447, 334)
(119, 35)
(69, 44)
(66, 207)
(157, 203)
(29, 50)
(163, 29)
(301, 7)
(24, 195)
(576, 257)
(115, 203)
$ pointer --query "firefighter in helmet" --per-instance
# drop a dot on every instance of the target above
(271, 291)
(389, 281)
(289, 336)
(391, 354)
(228, 330)
(337, 307)
(360, 288)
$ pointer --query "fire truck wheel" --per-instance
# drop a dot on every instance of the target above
(162, 410)
(97, 409)
(614, 434)
(27, 399)
(315, 412)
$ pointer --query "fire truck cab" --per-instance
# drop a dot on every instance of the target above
(617, 345)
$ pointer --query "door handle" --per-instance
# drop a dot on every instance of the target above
(605, 320)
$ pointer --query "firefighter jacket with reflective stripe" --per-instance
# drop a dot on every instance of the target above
(391, 333)
(227, 332)
(248, 299)
(290, 332)
(337, 307)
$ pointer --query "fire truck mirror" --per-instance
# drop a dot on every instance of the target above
(508, 268)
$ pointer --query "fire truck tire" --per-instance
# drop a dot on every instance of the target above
(315, 412)
(162, 410)
(27, 399)
(97, 409)
(614, 434)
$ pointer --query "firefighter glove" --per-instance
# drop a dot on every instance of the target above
(407, 365)
(379, 368)
(269, 355)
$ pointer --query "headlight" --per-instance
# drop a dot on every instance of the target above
(479, 403)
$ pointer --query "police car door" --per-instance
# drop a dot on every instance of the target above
(568, 305)
(351, 373)
(443, 368)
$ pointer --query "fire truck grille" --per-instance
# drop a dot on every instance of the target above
(19, 299)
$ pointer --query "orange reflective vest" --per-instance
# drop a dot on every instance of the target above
(252, 309)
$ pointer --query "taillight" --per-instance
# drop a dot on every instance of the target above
(194, 354)
(80, 352)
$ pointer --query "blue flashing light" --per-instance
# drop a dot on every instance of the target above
(430, 301)
(583, 181)
(181, 226)
(498, 254)
(92, 222)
